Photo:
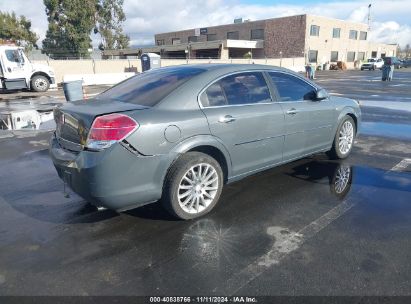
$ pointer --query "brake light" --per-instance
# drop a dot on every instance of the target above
(108, 129)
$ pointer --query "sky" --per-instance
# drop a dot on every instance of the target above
(391, 19)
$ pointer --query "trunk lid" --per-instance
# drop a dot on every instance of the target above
(74, 119)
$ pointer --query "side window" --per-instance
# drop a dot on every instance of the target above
(237, 89)
(213, 96)
(12, 55)
(291, 88)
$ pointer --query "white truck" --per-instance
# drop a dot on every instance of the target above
(17, 72)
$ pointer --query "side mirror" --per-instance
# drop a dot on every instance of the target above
(321, 94)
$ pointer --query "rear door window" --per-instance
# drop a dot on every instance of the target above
(238, 89)
(291, 88)
(149, 88)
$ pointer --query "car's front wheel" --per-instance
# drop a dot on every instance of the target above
(40, 83)
(192, 186)
(344, 139)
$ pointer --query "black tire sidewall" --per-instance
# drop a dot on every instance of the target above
(33, 80)
(176, 173)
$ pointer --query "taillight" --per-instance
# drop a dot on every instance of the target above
(108, 129)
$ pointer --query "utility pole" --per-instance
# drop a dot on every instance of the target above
(369, 17)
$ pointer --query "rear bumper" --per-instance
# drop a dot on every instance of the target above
(115, 178)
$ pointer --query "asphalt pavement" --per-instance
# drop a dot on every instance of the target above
(291, 230)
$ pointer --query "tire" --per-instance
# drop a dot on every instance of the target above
(362, 69)
(40, 83)
(343, 151)
(183, 199)
(373, 67)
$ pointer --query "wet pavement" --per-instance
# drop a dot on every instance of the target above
(311, 227)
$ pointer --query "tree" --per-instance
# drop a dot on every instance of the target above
(70, 25)
(110, 16)
(18, 30)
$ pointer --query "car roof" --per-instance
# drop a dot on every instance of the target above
(212, 72)
(229, 67)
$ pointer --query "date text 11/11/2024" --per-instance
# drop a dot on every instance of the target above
(203, 299)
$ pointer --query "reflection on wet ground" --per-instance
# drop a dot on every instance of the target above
(263, 223)
(394, 130)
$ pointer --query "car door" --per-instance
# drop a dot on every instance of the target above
(240, 112)
(308, 121)
(13, 62)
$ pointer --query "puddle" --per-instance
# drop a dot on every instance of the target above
(400, 131)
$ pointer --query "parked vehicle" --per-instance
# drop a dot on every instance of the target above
(372, 64)
(393, 61)
(407, 62)
(17, 72)
(180, 133)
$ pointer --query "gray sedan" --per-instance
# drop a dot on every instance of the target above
(178, 134)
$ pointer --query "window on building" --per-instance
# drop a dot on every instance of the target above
(242, 88)
(291, 88)
(336, 32)
(363, 35)
(160, 42)
(175, 41)
(353, 34)
(312, 56)
(233, 35)
(257, 34)
(192, 39)
(211, 37)
(315, 30)
(361, 55)
(350, 56)
(334, 56)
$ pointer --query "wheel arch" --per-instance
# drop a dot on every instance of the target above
(39, 73)
(206, 144)
(348, 111)
(216, 154)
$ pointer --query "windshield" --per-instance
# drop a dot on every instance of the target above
(371, 60)
(149, 88)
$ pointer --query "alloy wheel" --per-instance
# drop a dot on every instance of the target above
(198, 188)
(346, 137)
(342, 179)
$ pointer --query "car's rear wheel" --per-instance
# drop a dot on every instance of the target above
(344, 139)
(193, 186)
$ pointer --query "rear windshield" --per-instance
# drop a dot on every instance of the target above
(149, 88)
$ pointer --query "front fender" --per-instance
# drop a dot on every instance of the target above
(348, 110)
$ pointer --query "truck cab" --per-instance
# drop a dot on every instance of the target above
(17, 72)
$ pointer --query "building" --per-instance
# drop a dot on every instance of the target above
(317, 39)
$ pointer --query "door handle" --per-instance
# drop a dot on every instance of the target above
(292, 111)
(226, 119)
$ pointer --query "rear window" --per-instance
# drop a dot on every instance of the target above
(149, 88)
